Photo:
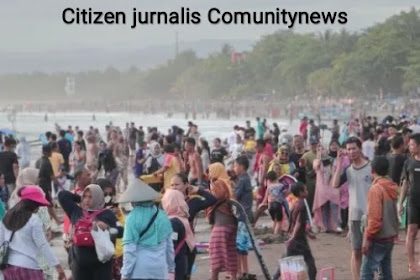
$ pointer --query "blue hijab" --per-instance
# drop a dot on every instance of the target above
(138, 220)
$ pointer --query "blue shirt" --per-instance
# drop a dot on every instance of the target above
(140, 262)
(243, 192)
(138, 168)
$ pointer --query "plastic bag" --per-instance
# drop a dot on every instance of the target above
(105, 249)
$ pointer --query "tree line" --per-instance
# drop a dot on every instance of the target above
(383, 58)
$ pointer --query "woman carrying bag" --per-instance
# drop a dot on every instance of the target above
(173, 202)
(23, 239)
(147, 241)
(84, 261)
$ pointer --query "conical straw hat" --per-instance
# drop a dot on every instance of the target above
(138, 191)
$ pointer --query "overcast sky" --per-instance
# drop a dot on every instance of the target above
(28, 25)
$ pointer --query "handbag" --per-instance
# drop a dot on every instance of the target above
(104, 247)
(4, 252)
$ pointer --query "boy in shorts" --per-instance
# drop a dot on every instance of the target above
(243, 193)
(275, 201)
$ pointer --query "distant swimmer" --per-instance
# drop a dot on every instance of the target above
(94, 117)
(46, 118)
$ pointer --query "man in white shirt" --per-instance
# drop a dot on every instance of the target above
(232, 138)
(368, 147)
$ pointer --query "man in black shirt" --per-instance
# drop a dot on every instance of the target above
(396, 159)
(9, 166)
(314, 132)
(45, 178)
(218, 153)
(65, 149)
(249, 130)
(382, 145)
(411, 180)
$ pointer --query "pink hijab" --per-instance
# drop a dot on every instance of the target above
(173, 202)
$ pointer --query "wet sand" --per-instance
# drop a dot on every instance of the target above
(329, 250)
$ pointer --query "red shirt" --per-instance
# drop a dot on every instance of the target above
(303, 129)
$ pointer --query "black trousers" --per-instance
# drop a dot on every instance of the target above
(99, 271)
(191, 259)
(300, 248)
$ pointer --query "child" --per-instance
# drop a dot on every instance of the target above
(275, 200)
(298, 243)
(243, 193)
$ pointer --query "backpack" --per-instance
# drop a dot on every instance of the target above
(81, 230)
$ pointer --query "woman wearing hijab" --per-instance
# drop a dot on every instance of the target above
(26, 177)
(327, 198)
(147, 236)
(223, 256)
(155, 159)
(112, 204)
(218, 170)
(197, 200)
(23, 150)
(173, 202)
(84, 260)
(154, 162)
(22, 228)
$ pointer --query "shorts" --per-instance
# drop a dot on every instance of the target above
(276, 211)
(356, 235)
(413, 214)
(243, 239)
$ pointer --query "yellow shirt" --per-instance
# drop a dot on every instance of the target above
(250, 145)
(118, 242)
(173, 168)
(56, 161)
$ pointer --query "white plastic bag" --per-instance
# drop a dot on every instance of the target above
(105, 249)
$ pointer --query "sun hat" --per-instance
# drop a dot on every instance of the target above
(35, 194)
(138, 191)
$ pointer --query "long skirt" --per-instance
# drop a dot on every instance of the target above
(222, 249)
(20, 273)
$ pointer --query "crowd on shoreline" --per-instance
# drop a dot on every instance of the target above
(350, 184)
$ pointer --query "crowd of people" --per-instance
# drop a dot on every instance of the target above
(352, 183)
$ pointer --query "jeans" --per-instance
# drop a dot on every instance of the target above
(379, 258)
(329, 210)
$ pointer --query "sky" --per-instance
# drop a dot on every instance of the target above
(36, 26)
